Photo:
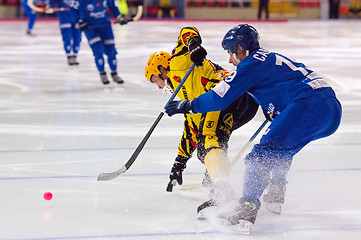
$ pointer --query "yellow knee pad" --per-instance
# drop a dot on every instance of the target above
(217, 164)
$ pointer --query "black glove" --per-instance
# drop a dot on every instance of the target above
(122, 20)
(83, 26)
(196, 51)
(270, 116)
(176, 172)
(175, 107)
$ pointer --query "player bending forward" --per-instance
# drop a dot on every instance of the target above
(208, 132)
(306, 106)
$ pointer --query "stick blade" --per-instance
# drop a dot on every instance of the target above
(191, 186)
(112, 175)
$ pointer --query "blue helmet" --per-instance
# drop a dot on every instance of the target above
(244, 35)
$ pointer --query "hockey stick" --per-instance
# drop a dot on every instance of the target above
(139, 13)
(234, 160)
(38, 9)
(112, 175)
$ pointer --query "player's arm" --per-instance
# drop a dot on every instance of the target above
(82, 25)
(49, 9)
(113, 6)
(190, 37)
(246, 76)
(212, 74)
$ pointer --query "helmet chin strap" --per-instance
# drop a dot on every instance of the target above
(237, 59)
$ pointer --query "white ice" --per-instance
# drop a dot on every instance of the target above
(60, 128)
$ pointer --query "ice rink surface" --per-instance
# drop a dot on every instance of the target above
(60, 128)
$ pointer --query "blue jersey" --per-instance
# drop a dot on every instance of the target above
(94, 12)
(71, 15)
(272, 79)
(60, 3)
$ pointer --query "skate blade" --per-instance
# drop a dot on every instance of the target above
(274, 207)
(206, 213)
(244, 227)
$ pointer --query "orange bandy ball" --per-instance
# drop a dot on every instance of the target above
(48, 196)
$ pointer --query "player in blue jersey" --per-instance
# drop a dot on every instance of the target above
(95, 22)
(68, 26)
(31, 14)
(303, 106)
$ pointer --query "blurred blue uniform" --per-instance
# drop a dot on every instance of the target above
(306, 106)
(99, 32)
(68, 27)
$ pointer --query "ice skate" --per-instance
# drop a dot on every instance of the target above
(220, 194)
(72, 60)
(116, 78)
(30, 34)
(205, 208)
(104, 78)
(243, 217)
(275, 197)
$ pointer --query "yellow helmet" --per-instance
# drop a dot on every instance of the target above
(156, 59)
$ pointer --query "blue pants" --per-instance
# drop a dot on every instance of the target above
(30, 13)
(101, 41)
(71, 35)
(302, 121)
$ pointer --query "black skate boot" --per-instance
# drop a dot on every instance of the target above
(30, 33)
(72, 61)
(116, 78)
(220, 194)
(204, 207)
(243, 217)
(275, 196)
(104, 78)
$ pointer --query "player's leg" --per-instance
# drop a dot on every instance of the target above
(111, 52)
(30, 13)
(96, 44)
(66, 33)
(76, 33)
(267, 9)
(300, 122)
(187, 145)
(216, 129)
(275, 196)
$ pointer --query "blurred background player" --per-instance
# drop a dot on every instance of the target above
(165, 8)
(354, 10)
(263, 7)
(123, 7)
(95, 22)
(31, 14)
(307, 111)
(209, 132)
(68, 27)
(334, 9)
